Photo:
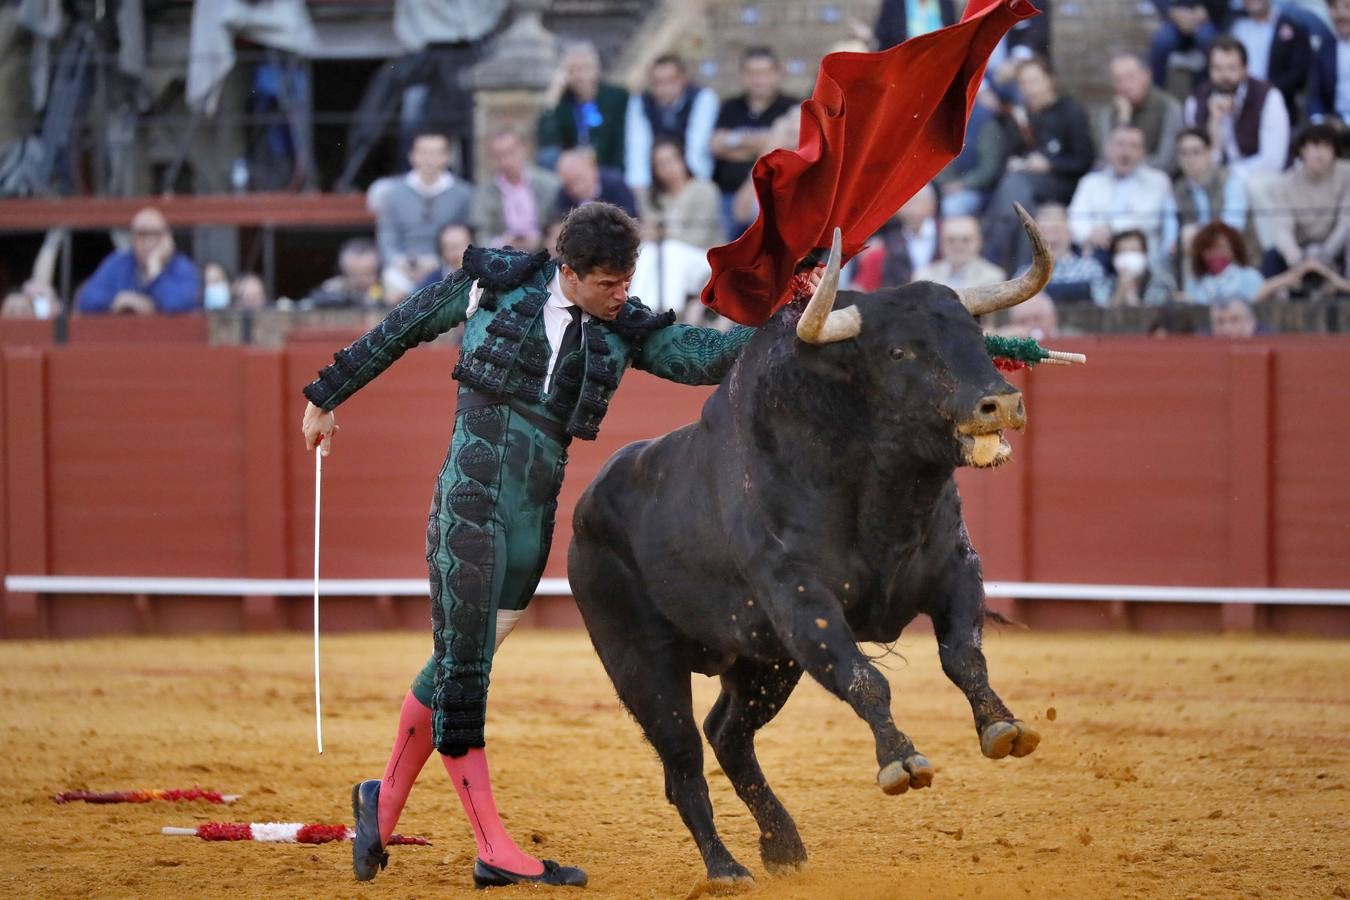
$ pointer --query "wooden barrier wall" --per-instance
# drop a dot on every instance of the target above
(1196, 462)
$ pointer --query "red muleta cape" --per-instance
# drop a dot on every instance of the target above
(877, 128)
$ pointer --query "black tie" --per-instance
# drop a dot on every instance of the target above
(571, 339)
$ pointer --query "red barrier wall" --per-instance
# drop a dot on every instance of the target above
(1189, 463)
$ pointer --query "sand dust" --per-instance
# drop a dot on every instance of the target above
(1170, 767)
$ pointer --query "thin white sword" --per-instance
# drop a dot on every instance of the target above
(318, 703)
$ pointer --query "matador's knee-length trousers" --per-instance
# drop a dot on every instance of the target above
(488, 537)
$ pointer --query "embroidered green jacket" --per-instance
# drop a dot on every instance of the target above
(505, 351)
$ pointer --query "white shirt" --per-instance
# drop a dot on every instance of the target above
(923, 244)
(1257, 37)
(1274, 131)
(1343, 78)
(556, 319)
(1121, 204)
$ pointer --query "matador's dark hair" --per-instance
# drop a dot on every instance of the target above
(599, 236)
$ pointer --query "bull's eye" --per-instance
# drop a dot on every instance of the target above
(899, 353)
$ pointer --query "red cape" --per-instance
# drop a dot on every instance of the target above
(878, 127)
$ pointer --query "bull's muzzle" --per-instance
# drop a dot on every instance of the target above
(981, 434)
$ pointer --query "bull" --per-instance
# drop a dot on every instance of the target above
(811, 507)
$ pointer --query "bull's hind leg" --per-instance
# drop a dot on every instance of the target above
(752, 694)
(958, 628)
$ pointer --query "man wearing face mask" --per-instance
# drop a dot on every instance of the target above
(151, 277)
(545, 346)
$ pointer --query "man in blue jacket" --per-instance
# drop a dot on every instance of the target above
(149, 278)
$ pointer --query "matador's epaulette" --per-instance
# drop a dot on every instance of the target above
(502, 269)
(636, 320)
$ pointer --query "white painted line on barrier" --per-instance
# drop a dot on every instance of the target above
(558, 587)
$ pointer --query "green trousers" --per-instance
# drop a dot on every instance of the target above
(488, 537)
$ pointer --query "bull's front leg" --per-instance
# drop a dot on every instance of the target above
(807, 618)
(958, 620)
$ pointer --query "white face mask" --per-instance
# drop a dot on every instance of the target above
(1130, 262)
(216, 295)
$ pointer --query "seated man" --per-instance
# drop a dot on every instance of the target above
(583, 181)
(1136, 101)
(1035, 318)
(671, 107)
(1232, 317)
(512, 206)
(1125, 195)
(1329, 81)
(1314, 201)
(1204, 192)
(1186, 25)
(1246, 118)
(412, 209)
(582, 111)
(905, 244)
(1077, 277)
(151, 277)
(1279, 48)
(961, 265)
(357, 282)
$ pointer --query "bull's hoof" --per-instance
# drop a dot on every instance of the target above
(722, 886)
(1015, 738)
(782, 855)
(897, 777)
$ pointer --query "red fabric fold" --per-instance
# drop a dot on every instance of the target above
(877, 128)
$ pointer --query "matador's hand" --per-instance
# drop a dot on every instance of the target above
(318, 425)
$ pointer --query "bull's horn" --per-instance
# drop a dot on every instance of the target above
(992, 298)
(821, 323)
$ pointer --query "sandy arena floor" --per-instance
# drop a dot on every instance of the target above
(1170, 767)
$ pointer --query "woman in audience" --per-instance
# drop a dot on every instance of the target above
(681, 207)
(1132, 280)
(1219, 264)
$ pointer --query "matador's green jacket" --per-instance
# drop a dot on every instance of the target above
(491, 518)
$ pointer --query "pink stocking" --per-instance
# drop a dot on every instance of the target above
(495, 847)
(412, 746)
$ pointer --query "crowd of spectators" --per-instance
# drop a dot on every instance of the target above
(1208, 184)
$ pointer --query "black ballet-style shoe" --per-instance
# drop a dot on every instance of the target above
(368, 854)
(486, 876)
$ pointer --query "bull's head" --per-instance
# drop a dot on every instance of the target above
(921, 360)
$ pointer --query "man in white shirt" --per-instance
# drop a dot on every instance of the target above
(1126, 195)
(1246, 118)
(961, 265)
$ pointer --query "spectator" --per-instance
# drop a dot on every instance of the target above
(413, 209)
(906, 244)
(1232, 317)
(1077, 277)
(784, 132)
(1051, 145)
(678, 206)
(1246, 119)
(582, 111)
(900, 20)
(742, 131)
(451, 242)
(1136, 101)
(1313, 200)
(357, 282)
(1279, 48)
(671, 107)
(961, 265)
(1132, 280)
(249, 293)
(215, 287)
(1205, 192)
(967, 182)
(1127, 195)
(1218, 258)
(511, 208)
(150, 277)
(1329, 81)
(1035, 318)
(1186, 25)
(583, 180)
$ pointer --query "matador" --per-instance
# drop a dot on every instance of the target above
(545, 345)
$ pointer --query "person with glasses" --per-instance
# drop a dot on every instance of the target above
(152, 277)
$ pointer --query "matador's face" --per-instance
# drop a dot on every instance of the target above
(602, 293)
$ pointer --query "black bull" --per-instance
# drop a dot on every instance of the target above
(811, 507)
